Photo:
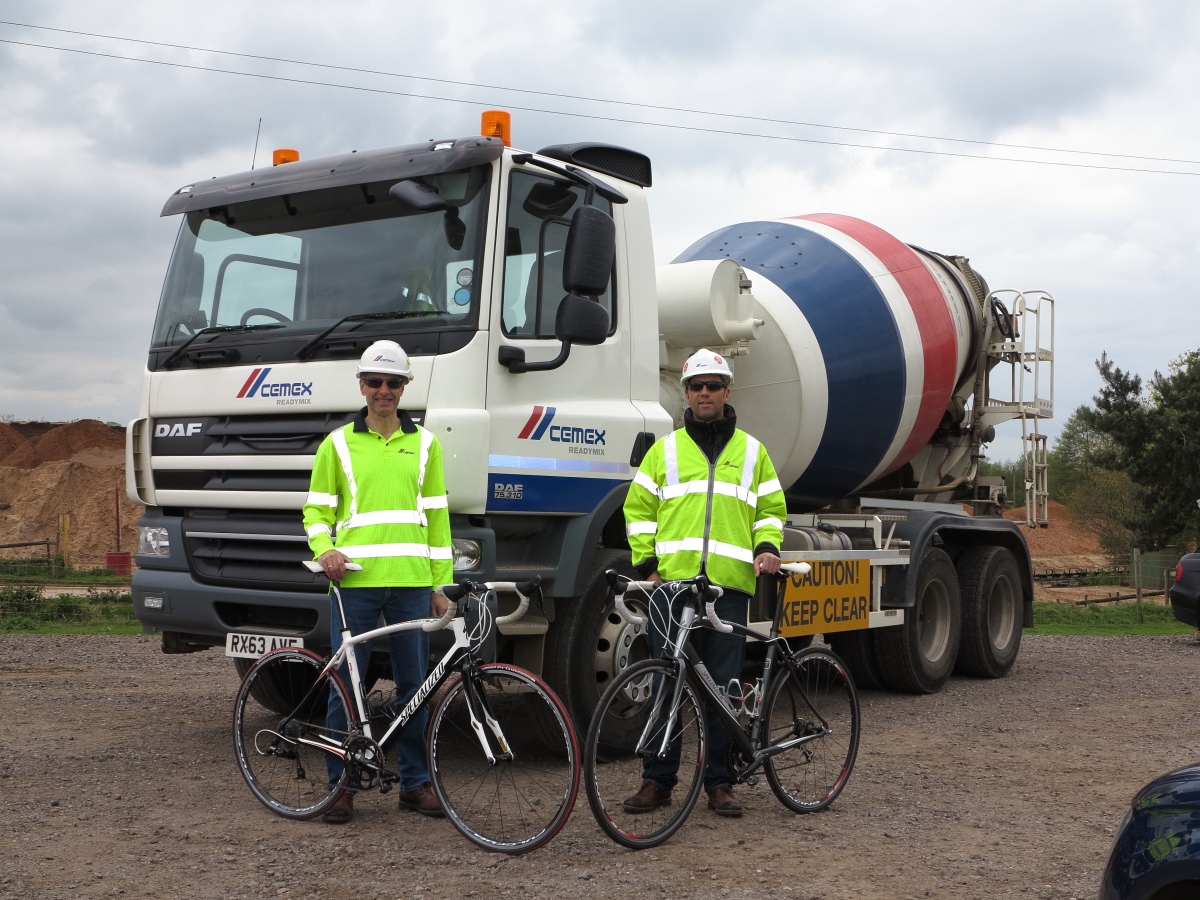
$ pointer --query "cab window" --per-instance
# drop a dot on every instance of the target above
(539, 213)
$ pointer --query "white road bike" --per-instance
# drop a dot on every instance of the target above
(507, 785)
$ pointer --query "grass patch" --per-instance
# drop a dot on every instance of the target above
(24, 609)
(1104, 618)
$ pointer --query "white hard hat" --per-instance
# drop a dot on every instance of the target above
(386, 358)
(705, 362)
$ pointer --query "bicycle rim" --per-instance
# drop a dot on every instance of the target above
(286, 774)
(521, 801)
(633, 711)
(809, 776)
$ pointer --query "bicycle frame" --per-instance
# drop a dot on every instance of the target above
(459, 652)
(680, 650)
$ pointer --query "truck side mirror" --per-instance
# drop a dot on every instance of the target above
(581, 321)
(418, 196)
(588, 258)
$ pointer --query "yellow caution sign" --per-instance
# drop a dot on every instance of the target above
(834, 596)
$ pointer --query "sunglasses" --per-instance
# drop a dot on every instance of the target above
(713, 386)
(393, 383)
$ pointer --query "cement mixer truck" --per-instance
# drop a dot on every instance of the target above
(874, 372)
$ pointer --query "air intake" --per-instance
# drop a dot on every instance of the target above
(628, 165)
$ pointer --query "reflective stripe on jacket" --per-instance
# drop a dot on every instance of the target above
(690, 514)
(383, 504)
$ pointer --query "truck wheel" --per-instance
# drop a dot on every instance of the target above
(918, 656)
(857, 650)
(588, 644)
(991, 611)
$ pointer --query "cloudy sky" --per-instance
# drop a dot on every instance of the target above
(91, 146)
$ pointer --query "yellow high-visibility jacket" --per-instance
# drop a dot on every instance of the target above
(694, 515)
(383, 504)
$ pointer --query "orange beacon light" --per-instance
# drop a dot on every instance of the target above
(497, 123)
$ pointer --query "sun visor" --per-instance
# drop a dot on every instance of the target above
(429, 158)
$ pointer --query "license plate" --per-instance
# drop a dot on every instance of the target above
(834, 596)
(252, 646)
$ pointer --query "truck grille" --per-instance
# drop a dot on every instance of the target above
(250, 549)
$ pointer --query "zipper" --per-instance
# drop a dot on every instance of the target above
(712, 478)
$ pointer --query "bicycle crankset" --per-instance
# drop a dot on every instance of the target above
(364, 759)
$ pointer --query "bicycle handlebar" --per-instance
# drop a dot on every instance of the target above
(455, 592)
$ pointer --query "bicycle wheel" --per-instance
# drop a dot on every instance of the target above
(818, 700)
(277, 755)
(627, 730)
(522, 800)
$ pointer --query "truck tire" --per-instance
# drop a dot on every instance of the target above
(857, 650)
(991, 611)
(270, 693)
(588, 644)
(918, 656)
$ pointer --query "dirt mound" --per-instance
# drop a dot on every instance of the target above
(88, 492)
(63, 442)
(10, 440)
(1064, 544)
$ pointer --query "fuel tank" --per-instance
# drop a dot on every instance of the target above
(864, 340)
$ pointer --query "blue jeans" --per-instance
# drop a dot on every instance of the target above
(722, 655)
(410, 662)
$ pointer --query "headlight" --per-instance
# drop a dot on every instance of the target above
(467, 554)
(153, 540)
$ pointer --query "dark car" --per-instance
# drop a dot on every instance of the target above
(1185, 593)
(1156, 853)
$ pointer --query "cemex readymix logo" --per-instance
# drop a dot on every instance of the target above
(288, 392)
(539, 424)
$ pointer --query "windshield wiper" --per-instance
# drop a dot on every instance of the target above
(215, 329)
(307, 350)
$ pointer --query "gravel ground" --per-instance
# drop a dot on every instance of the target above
(117, 778)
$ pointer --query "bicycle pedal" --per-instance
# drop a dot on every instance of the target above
(752, 781)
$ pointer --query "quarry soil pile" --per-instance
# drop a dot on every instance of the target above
(120, 782)
(77, 468)
(1065, 544)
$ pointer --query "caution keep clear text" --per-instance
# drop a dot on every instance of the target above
(834, 596)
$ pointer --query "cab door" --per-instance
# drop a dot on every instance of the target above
(560, 440)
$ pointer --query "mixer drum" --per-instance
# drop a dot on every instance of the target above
(864, 341)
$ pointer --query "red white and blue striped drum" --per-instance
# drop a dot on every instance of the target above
(865, 341)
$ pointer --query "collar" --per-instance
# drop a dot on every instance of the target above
(722, 426)
(407, 425)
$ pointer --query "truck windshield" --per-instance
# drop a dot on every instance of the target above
(309, 259)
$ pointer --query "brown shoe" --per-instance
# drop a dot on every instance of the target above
(723, 803)
(341, 812)
(423, 800)
(651, 796)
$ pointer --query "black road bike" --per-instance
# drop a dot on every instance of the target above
(799, 726)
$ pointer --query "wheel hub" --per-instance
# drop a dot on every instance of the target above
(619, 645)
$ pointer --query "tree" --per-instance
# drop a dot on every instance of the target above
(1076, 453)
(1156, 440)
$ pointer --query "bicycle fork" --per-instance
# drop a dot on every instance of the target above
(480, 713)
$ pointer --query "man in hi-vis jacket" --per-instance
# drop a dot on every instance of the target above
(705, 499)
(378, 498)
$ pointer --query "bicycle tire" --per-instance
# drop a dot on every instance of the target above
(808, 777)
(516, 804)
(288, 777)
(612, 767)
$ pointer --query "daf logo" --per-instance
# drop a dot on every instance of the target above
(178, 429)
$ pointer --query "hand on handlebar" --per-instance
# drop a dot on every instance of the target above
(438, 604)
(654, 576)
(766, 564)
(333, 562)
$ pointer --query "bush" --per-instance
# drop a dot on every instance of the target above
(22, 605)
